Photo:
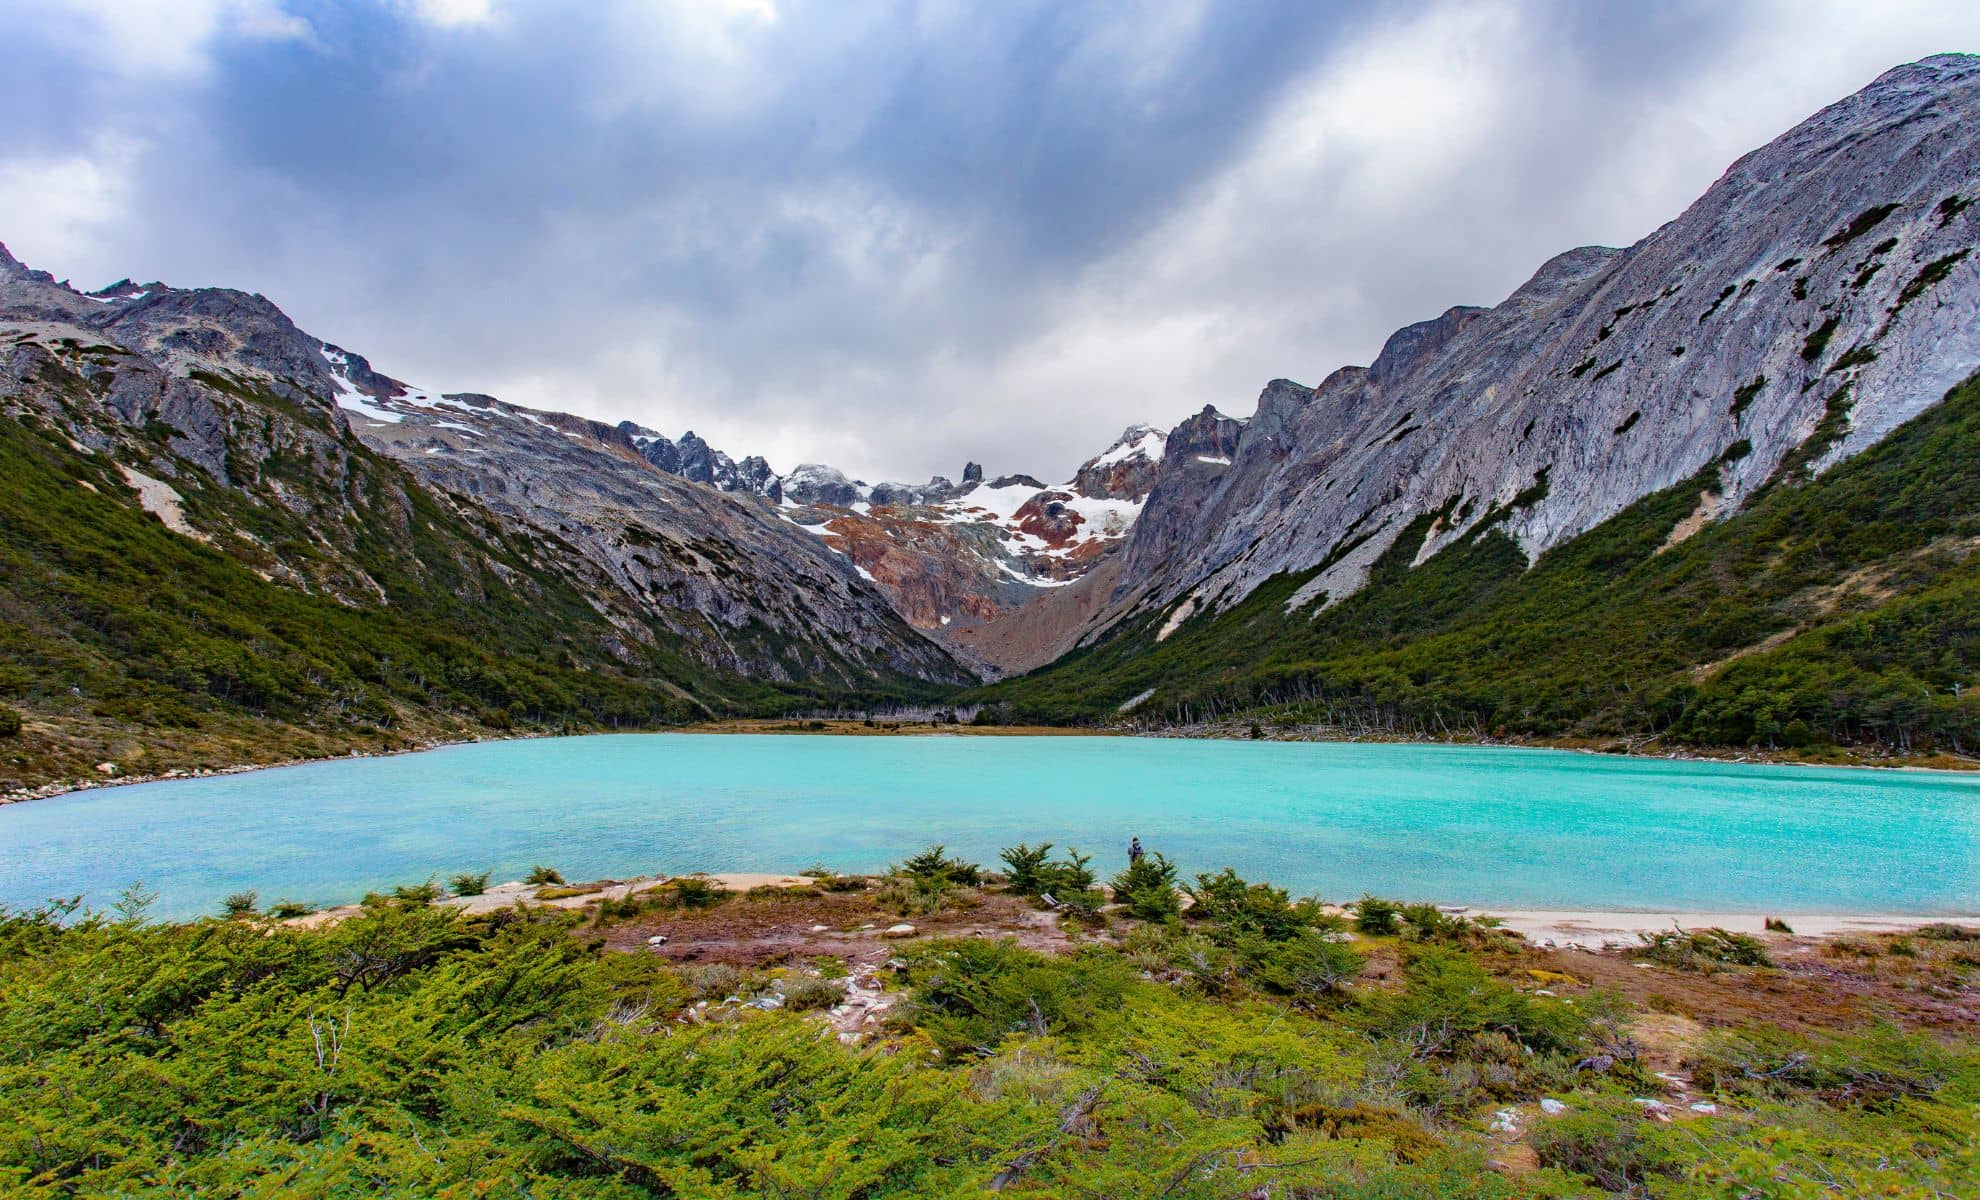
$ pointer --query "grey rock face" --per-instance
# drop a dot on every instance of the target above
(816, 483)
(741, 589)
(1124, 470)
(1822, 292)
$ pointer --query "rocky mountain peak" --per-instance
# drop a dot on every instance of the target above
(1820, 293)
(1126, 469)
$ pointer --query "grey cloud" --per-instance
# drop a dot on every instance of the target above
(896, 236)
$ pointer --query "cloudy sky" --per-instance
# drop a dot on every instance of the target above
(888, 235)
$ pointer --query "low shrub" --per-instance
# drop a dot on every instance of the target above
(1376, 916)
(1310, 968)
(465, 884)
(1877, 1069)
(968, 996)
(10, 722)
(933, 864)
(540, 875)
(1236, 909)
(1604, 1144)
(690, 891)
(806, 992)
(289, 910)
(1702, 949)
(240, 904)
(417, 893)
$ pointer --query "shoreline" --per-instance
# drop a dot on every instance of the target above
(1544, 928)
(848, 727)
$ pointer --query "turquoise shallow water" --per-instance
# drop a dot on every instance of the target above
(1517, 828)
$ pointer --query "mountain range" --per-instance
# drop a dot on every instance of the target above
(1607, 506)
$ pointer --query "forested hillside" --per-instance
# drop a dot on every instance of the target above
(1834, 609)
(338, 604)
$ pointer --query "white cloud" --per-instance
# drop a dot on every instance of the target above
(59, 209)
(162, 38)
(451, 14)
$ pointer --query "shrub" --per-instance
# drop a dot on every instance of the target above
(1942, 931)
(1776, 925)
(288, 910)
(968, 996)
(716, 981)
(805, 992)
(831, 881)
(1878, 1069)
(10, 722)
(417, 893)
(468, 885)
(1376, 916)
(1605, 1145)
(1068, 878)
(912, 895)
(1026, 875)
(1702, 949)
(931, 864)
(1238, 909)
(240, 904)
(1447, 998)
(540, 875)
(1310, 968)
(1148, 888)
(690, 891)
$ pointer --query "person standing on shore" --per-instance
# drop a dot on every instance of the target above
(1134, 850)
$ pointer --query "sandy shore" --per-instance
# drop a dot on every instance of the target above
(1593, 930)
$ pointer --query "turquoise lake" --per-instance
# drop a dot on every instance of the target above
(1515, 828)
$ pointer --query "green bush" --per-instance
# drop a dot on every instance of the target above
(540, 875)
(1606, 1145)
(466, 884)
(932, 864)
(10, 722)
(1310, 967)
(1148, 888)
(417, 893)
(240, 904)
(1237, 909)
(692, 892)
(1447, 998)
(968, 996)
(1026, 867)
(1376, 916)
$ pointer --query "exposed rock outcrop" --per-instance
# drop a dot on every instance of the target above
(1822, 292)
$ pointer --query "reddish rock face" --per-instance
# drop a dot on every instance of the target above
(1046, 517)
(926, 570)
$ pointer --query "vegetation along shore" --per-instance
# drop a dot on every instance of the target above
(945, 1029)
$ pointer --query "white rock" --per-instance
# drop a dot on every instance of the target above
(106, 768)
(1552, 1107)
(903, 930)
(1505, 1121)
(1704, 1106)
(821, 929)
(658, 939)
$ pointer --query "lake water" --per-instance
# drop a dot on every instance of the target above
(1515, 828)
